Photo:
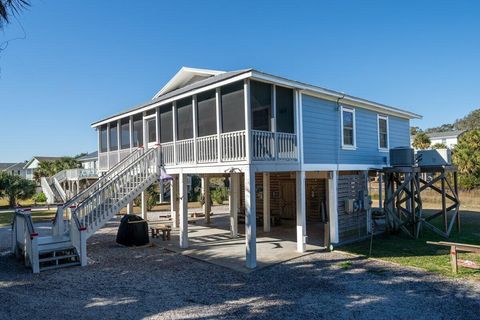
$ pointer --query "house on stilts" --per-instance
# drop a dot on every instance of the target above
(291, 151)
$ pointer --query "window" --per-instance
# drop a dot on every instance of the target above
(233, 107)
(166, 123)
(284, 101)
(103, 138)
(137, 130)
(206, 114)
(125, 133)
(382, 132)
(113, 137)
(184, 119)
(261, 104)
(348, 128)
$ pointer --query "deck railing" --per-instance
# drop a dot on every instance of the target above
(207, 149)
(263, 145)
(286, 146)
(167, 153)
(185, 152)
(232, 147)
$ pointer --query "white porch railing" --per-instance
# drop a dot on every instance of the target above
(184, 151)
(207, 149)
(233, 146)
(167, 153)
(286, 145)
(124, 153)
(263, 145)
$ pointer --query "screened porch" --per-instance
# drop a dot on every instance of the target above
(242, 121)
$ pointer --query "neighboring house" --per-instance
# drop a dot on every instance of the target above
(449, 138)
(31, 165)
(89, 161)
(14, 169)
(292, 151)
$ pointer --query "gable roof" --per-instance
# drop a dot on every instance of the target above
(447, 134)
(177, 92)
(16, 166)
(40, 158)
(174, 89)
(88, 157)
(186, 76)
(6, 165)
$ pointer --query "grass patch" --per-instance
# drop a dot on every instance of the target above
(345, 264)
(37, 216)
(417, 253)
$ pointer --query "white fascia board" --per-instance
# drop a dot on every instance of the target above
(170, 100)
(334, 96)
(182, 71)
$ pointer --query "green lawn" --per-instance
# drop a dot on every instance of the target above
(37, 216)
(417, 253)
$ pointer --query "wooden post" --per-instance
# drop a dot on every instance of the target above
(444, 202)
(183, 208)
(206, 197)
(455, 186)
(250, 219)
(333, 206)
(301, 211)
(234, 197)
(130, 208)
(174, 209)
(144, 205)
(453, 259)
(266, 202)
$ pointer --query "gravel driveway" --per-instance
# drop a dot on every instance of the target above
(127, 283)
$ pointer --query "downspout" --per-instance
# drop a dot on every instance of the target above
(339, 132)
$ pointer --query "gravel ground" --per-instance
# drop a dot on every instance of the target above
(134, 283)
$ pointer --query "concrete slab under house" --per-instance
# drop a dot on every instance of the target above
(293, 153)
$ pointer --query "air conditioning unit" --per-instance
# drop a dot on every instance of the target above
(402, 157)
(434, 157)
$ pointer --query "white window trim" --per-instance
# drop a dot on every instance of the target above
(378, 133)
(346, 146)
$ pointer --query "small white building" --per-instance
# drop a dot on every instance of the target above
(89, 161)
(448, 138)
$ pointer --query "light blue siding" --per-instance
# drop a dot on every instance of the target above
(322, 139)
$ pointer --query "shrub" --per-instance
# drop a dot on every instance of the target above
(219, 195)
(40, 198)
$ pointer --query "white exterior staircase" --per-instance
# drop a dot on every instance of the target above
(80, 217)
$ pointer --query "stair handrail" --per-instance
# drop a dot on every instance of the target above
(113, 180)
(88, 191)
(24, 238)
(103, 178)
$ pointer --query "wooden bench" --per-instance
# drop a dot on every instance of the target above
(161, 228)
(454, 247)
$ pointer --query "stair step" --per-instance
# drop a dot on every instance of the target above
(62, 265)
(55, 247)
(68, 256)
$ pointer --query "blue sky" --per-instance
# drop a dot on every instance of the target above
(84, 60)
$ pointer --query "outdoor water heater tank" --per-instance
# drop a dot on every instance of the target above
(402, 157)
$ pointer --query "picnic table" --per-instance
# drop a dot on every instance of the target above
(454, 247)
(164, 229)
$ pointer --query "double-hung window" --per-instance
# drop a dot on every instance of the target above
(348, 128)
(382, 133)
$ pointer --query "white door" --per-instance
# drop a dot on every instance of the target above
(150, 125)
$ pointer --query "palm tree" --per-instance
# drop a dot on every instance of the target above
(50, 168)
(9, 8)
(16, 188)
